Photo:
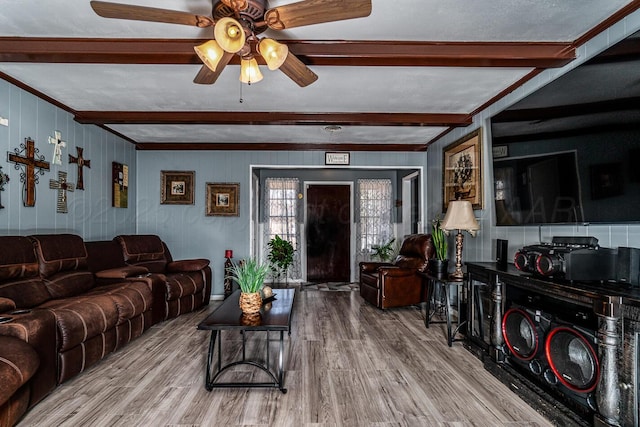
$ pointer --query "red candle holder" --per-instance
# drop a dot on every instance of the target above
(228, 253)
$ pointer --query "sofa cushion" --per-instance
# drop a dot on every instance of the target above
(60, 252)
(63, 264)
(131, 298)
(141, 247)
(82, 317)
(18, 362)
(20, 261)
(182, 284)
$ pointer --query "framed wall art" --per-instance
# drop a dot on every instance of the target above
(462, 170)
(223, 199)
(119, 185)
(176, 187)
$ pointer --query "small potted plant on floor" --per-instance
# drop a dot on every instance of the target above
(440, 264)
(250, 275)
(280, 256)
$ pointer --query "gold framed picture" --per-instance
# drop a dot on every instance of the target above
(462, 170)
(177, 187)
(223, 199)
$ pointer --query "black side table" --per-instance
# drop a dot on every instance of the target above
(441, 286)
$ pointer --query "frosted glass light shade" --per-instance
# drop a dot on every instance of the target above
(229, 34)
(274, 53)
(210, 53)
(249, 71)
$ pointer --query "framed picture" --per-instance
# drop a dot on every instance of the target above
(176, 187)
(223, 199)
(119, 185)
(462, 170)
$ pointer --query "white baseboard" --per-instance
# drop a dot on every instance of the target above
(216, 298)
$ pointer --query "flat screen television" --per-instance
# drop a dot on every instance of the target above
(570, 152)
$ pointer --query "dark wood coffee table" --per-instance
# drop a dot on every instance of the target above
(275, 317)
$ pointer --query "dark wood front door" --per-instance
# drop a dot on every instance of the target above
(328, 232)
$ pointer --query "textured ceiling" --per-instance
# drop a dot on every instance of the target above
(353, 93)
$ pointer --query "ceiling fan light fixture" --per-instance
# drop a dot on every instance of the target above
(274, 53)
(236, 4)
(229, 34)
(249, 71)
(210, 53)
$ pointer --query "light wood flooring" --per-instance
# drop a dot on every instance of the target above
(349, 364)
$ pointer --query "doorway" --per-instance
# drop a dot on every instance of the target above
(328, 232)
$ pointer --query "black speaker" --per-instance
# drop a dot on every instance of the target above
(628, 265)
(524, 331)
(573, 366)
(502, 247)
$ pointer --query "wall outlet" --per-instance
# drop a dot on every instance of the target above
(4, 122)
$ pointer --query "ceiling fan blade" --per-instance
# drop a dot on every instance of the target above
(152, 14)
(297, 71)
(207, 77)
(308, 12)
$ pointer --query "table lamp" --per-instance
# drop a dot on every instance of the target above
(459, 217)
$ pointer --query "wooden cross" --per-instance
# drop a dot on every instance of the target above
(29, 175)
(58, 145)
(62, 186)
(81, 162)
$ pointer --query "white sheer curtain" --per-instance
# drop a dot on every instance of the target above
(281, 213)
(374, 225)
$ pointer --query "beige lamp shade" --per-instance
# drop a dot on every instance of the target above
(274, 53)
(460, 216)
(229, 34)
(249, 71)
(210, 53)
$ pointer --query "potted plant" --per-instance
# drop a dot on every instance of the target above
(383, 252)
(440, 263)
(280, 256)
(250, 275)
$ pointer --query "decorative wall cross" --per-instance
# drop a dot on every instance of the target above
(29, 175)
(81, 162)
(58, 145)
(62, 186)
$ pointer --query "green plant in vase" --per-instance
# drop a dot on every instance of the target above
(250, 275)
(281, 256)
(439, 239)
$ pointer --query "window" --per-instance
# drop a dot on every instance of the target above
(375, 207)
(281, 207)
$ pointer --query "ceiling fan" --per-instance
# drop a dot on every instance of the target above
(236, 24)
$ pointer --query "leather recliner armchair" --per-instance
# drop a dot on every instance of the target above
(398, 284)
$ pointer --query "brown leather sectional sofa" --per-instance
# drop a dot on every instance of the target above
(70, 303)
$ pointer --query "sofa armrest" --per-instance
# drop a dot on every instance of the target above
(6, 304)
(372, 267)
(397, 272)
(122, 272)
(18, 362)
(187, 265)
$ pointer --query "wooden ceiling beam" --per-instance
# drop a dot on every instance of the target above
(271, 118)
(343, 53)
(277, 146)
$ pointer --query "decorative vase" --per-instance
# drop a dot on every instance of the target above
(438, 267)
(250, 302)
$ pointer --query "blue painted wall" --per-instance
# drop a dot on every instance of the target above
(188, 231)
(90, 213)
(482, 248)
